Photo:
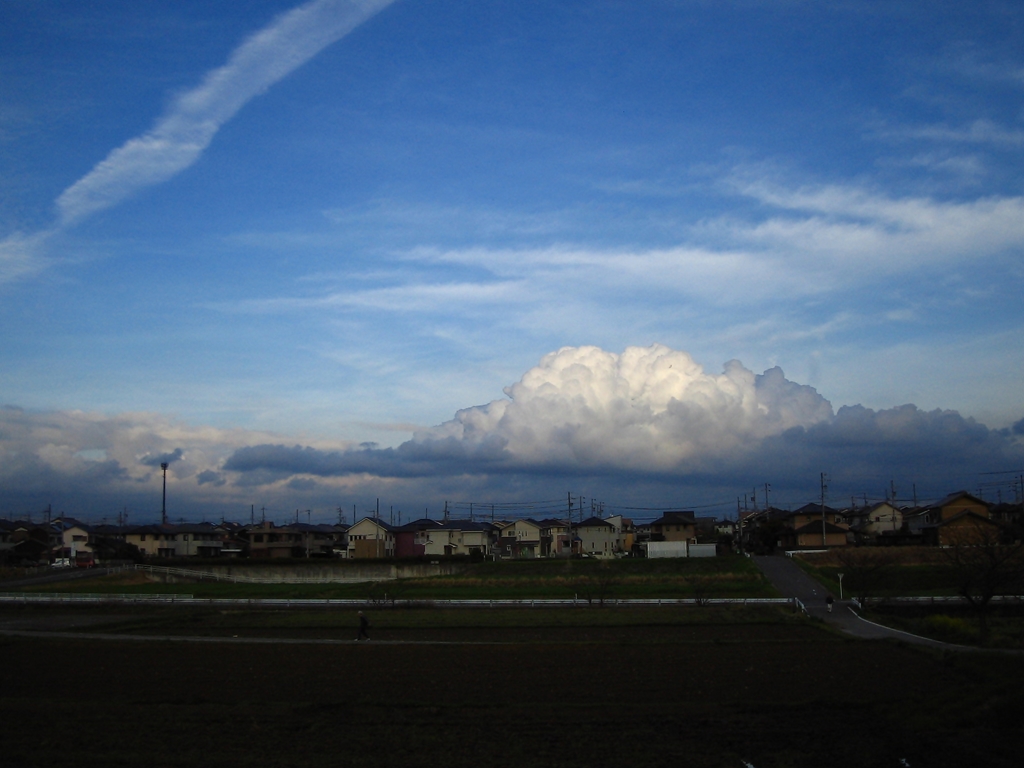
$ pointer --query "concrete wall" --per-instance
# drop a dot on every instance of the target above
(680, 549)
(666, 549)
(367, 570)
(703, 550)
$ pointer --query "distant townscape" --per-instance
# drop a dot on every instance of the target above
(66, 541)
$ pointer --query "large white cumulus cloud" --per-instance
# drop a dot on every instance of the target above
(648, 424)
(650, 408)
(654, 415)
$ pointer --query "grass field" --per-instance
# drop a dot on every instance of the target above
(695, 686)
(731, 577)
(918, 572)
(884, 571)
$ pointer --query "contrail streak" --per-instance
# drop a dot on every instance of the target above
(179, 137)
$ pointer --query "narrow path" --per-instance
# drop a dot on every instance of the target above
(65, 635)
(55, 576)
(791, 581)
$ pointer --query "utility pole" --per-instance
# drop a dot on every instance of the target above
(376, 520)
(568, 531)
(767, 488)
(163, 509)
(893, 514)
(824, 488)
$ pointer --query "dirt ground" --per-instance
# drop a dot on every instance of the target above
(767, 695)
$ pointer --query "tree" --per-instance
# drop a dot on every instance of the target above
(984, 564)
(701, 587)
(867, 570)
(599, 585)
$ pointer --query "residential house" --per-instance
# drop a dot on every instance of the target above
(320, 540)
(76, 541)
(625, 533)
(184, 540)
(813, 526)
(956, 517)
(597, 537)
(432, 538)
(943, 522)
(371, 539)
(519, 539)
(412, 538)
(725, 528)
(25, 542)
(674, 526)
(706, 526)
(875, 521)
(153, 540)
(555, 537)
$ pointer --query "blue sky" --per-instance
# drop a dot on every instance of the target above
(314, 248)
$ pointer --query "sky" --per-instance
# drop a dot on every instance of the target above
(658, 254)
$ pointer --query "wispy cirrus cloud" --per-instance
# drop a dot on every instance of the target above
(981, 132)
(802, 241)
(180, 136)
(21, 255)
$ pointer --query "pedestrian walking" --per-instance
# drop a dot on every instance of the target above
(828, 603)
(364, 626)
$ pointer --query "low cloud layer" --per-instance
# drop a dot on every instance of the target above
(100, 465)
(647, 421)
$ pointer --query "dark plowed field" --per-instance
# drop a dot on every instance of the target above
(770, 695)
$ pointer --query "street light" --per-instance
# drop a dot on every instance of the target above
(840, 575)
(163, 510)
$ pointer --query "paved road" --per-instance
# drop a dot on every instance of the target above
(791, 581)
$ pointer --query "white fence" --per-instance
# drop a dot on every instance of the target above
(71, 597)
